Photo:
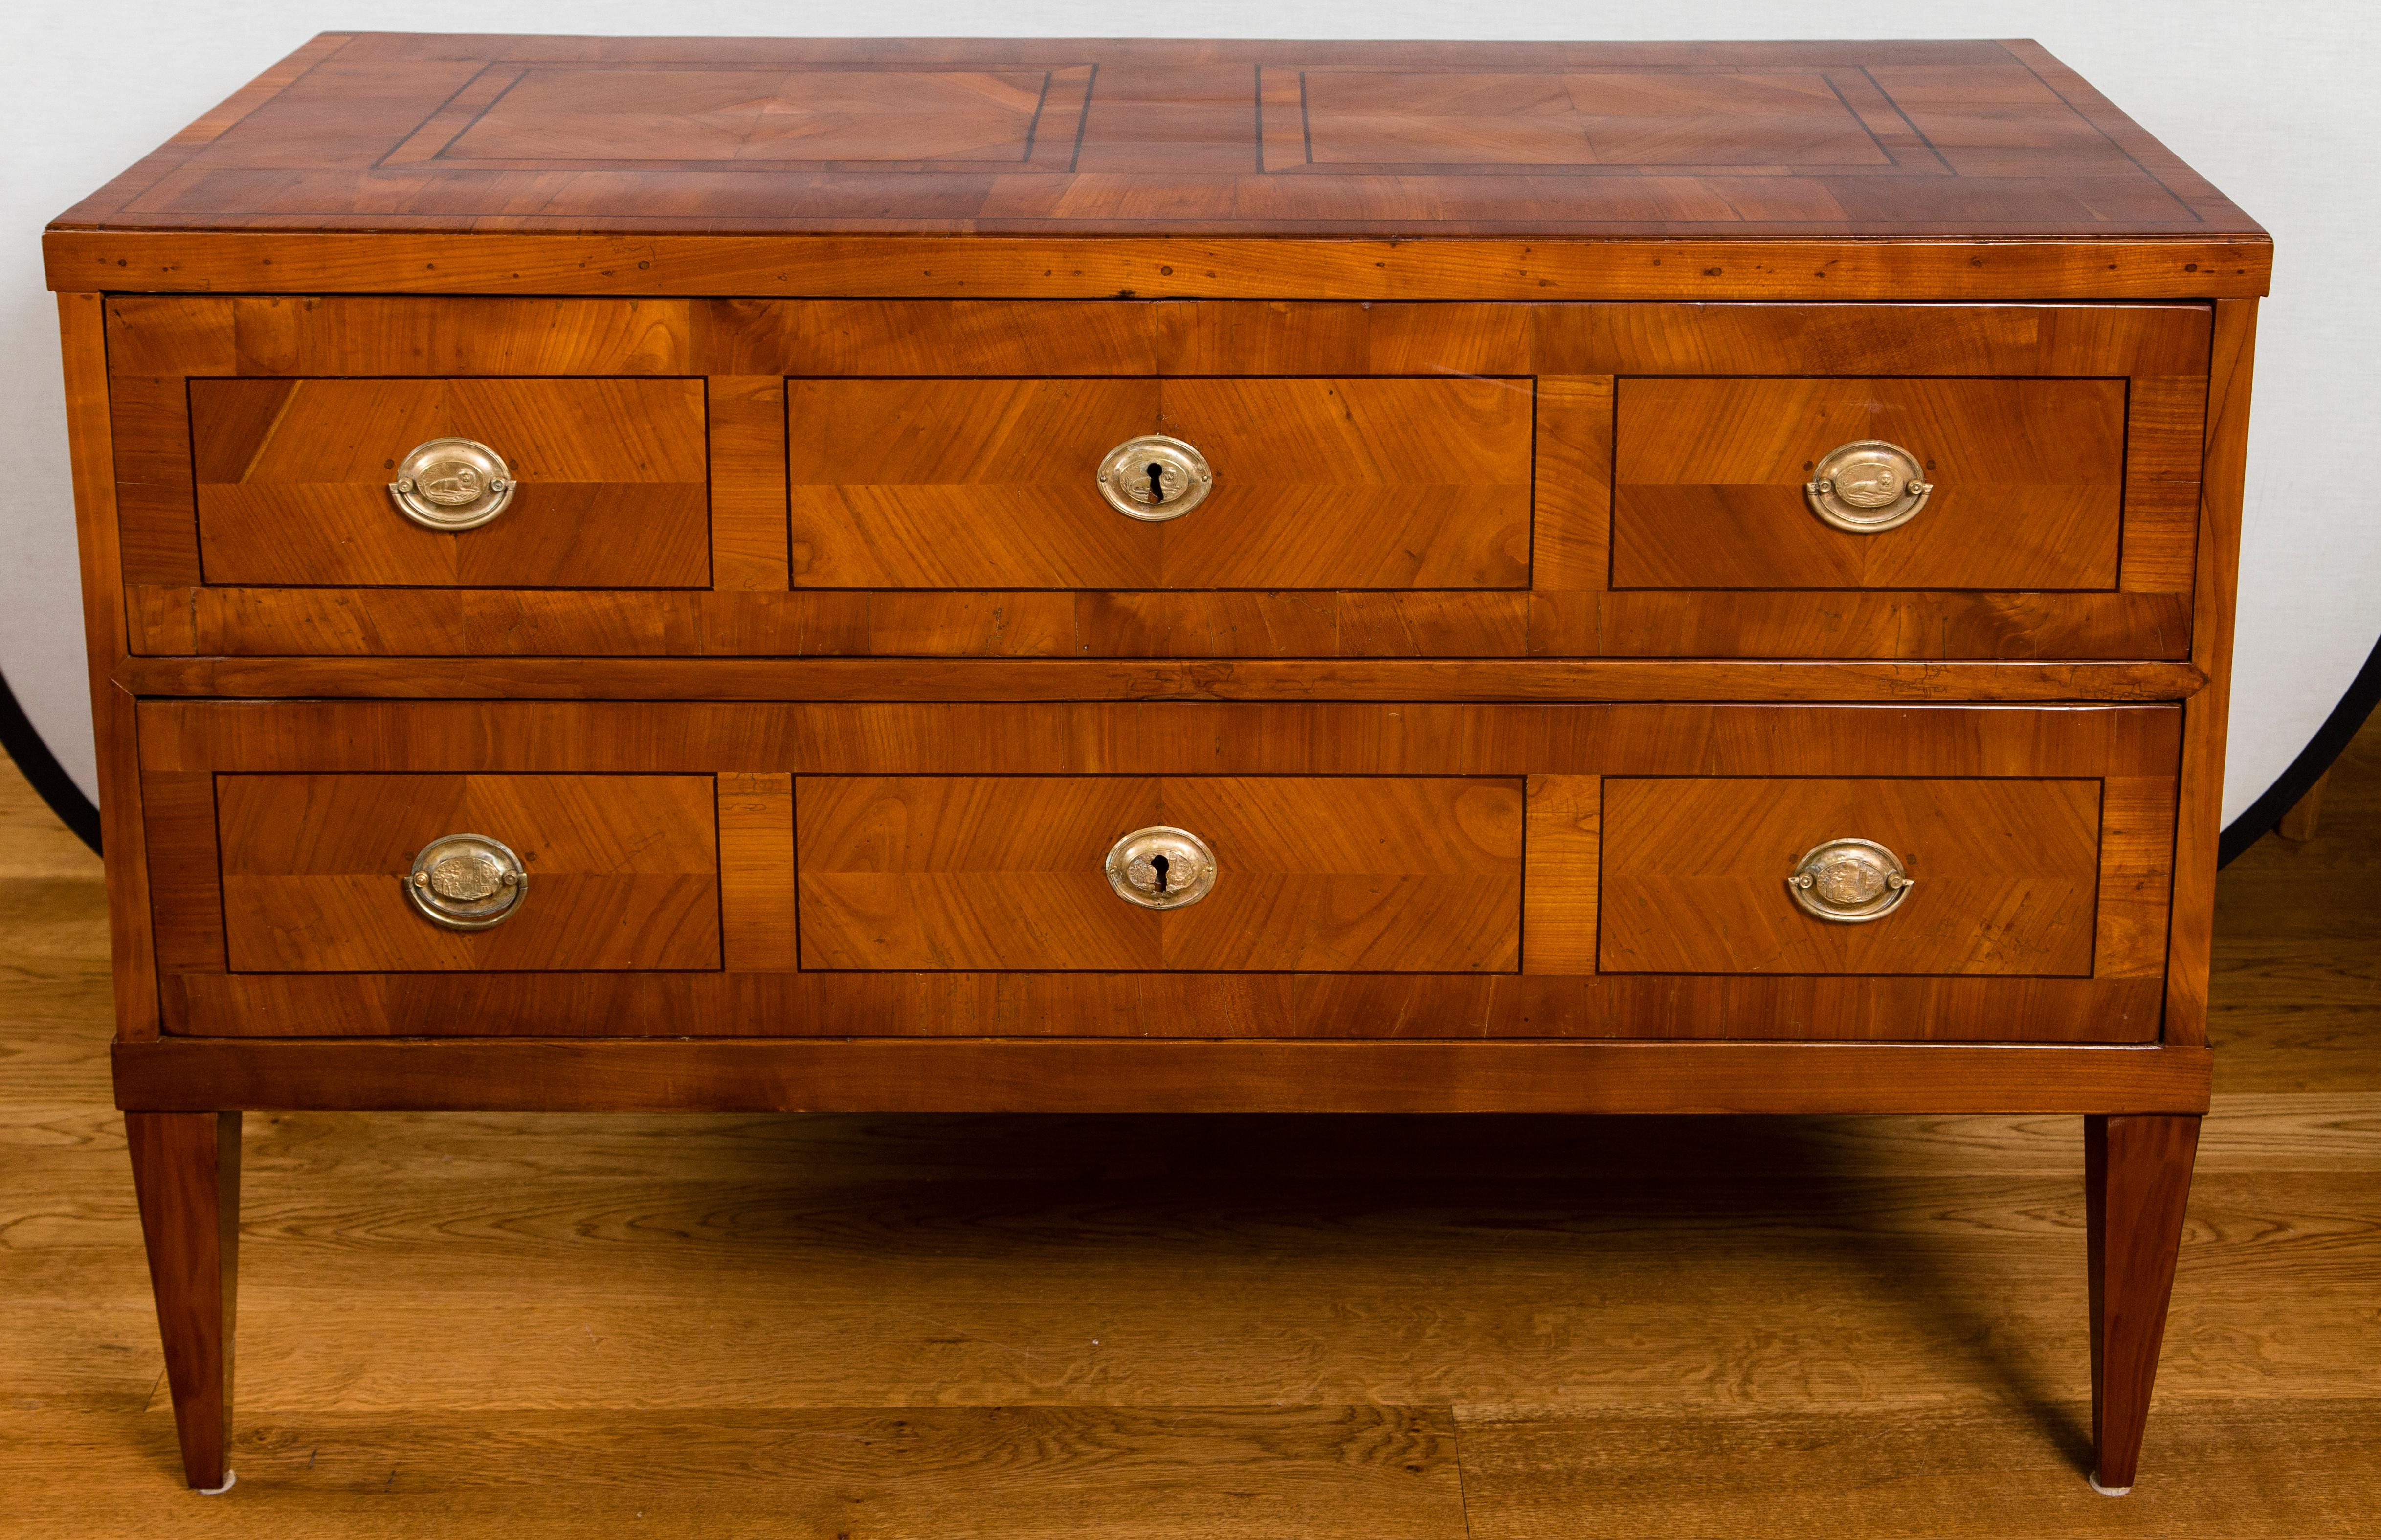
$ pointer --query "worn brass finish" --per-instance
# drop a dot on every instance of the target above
(1868, 487)
(1161, 868)
(1849, 881)
(1155, 478)
(467, 882)
(452, 483)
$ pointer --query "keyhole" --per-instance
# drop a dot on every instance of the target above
(1157, 482)
(1158, 863)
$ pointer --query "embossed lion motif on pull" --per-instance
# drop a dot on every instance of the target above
(451, 484)
(1868, 487)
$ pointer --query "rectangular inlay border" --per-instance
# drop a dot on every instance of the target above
(1046, 137)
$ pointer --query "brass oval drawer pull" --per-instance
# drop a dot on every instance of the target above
(1161, 868)
(1868, 487)
(452, 483)
(1849, 881)
(1155, 478)
(467, 882)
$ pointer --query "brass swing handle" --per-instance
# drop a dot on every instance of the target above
(467, 882)
(1849, 881)
(1868, 487)
(452, 483)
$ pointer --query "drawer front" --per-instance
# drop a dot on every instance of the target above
(2026, 481)
(1411, 870)
(908, 479)
(1312, 874)
(294, 476)
(1329, 483)
(622, 872)
(2003, 875)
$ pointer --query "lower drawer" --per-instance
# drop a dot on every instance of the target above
(1207, 869)
(1920, 875)
(317, 869)
(1302, 873)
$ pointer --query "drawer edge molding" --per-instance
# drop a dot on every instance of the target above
(1009, 1075)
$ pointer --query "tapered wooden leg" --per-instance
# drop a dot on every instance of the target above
(185, 1168)
(2136, 1181)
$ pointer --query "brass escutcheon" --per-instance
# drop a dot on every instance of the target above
(452, 483)
(1849, 881)
(1868, 487)
(1155, 478)
(1161, 868)
(466, 881)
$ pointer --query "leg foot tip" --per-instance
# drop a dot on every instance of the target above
(230, 1478)
(2106, 1491)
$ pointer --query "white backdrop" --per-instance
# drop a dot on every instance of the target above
(2275, 102)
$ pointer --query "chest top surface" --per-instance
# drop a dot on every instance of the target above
(429, 134)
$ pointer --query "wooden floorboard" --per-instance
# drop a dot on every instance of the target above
(459, 1324)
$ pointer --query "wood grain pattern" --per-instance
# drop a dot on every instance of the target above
(2166, 421)
(748, 483)
(1316, 874)
(1318, 483)
(2198, 826)
(1535, 679)
(1897, 623)
(293, 483)
(876, 1075)
(1169, 737)
(1565, 857)
(623, 871)
(1694, 875)
(2137, 824)
(984, 136)
(186, 1170)
(1777, 270)
(2029, 476)
(82, 339)
(2136, 1184)
(759, 927)
(1054, 1006)
(185, 896)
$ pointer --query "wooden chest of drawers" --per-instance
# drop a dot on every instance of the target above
(1053, 575)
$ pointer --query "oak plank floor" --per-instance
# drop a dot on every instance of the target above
(458, 1324)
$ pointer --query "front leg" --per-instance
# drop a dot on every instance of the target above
(186, 1169)
(2136, 1181)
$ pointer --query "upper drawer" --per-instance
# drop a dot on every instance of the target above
(1330, 483)
(905, 479)
(1713, 483)
(295, 482)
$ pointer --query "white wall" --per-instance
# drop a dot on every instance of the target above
(2275, 102)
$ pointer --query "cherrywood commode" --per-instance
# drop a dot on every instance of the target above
(1628, 577)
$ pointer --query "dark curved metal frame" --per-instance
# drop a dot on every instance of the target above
(2364, 694)
(41, 768)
